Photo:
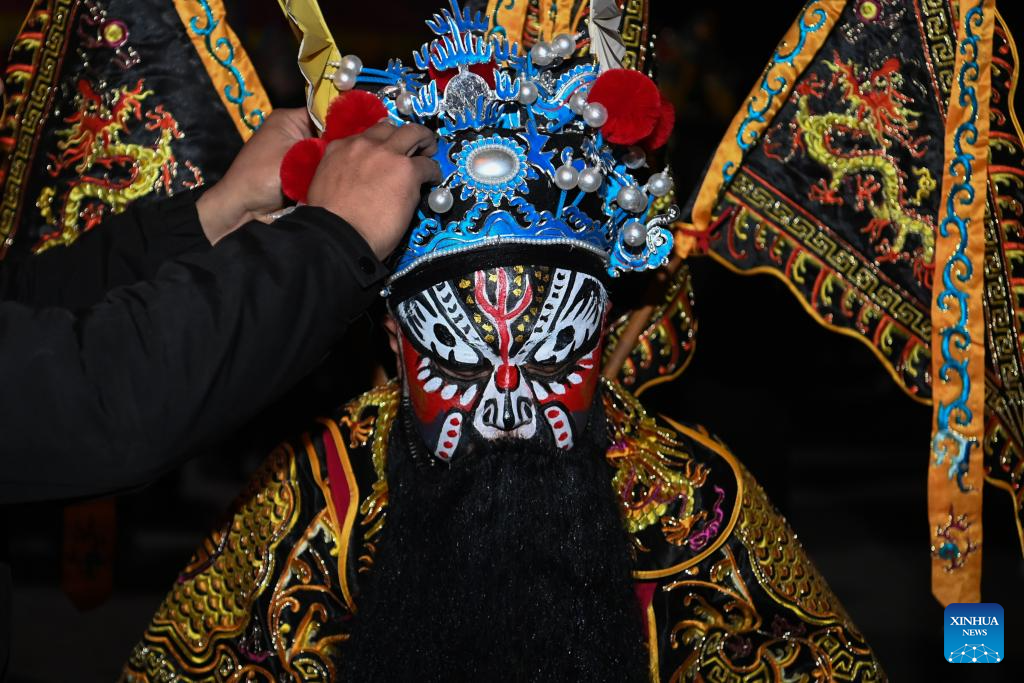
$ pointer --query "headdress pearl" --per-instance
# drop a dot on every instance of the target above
(590, 179)
(631, 199)
(659, 184)
(404, 103)
(578, 102)
(528, 92)
(542, 54)
(344, 80)
(564, 45)
(595, 115)
(634, 158)
(634, 234)
(351, 63)
(440, 200)
(566, 177)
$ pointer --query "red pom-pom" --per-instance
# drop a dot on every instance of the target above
(633, 104)
(349, 114)
(352, 113)
(299, 166)
(663, 129)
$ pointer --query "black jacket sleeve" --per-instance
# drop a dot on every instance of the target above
(123, 249)
(112, 397)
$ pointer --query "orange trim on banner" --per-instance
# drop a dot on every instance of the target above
(956, 472)
(226, 62)
(792, 57)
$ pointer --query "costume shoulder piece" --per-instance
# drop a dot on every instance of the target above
(729, 592)
(726, 586)
(678, 496)
(268, 595)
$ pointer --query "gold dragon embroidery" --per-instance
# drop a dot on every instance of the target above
(110, 171)
(857, 144)
(652, 472)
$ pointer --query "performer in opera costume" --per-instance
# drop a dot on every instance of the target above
(502, 511)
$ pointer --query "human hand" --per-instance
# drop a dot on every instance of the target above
(251, 188)
(373, 180)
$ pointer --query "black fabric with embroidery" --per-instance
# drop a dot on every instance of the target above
(132, 114)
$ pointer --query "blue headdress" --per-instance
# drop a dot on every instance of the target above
(521, 151)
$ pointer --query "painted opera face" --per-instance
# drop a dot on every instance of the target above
(504, 353)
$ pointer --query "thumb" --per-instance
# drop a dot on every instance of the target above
(296, 123)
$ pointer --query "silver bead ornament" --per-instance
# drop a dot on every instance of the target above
(634, 158)
(344, 80)
(631, 199)
(404, 103)
(564, 45)
(528, 92)
(542, 54)
(578, 102)
(595, 115)
(590, 179)
(351, 63)
(659, 184)
(440, 200)
(634, 234)
(566, 177)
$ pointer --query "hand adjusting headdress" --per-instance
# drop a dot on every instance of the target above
(537, 150)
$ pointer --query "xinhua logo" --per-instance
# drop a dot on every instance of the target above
(974, 633)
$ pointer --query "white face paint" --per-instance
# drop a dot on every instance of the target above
(442, 328)
(507, 349)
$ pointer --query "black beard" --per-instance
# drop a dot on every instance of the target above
(509, 565)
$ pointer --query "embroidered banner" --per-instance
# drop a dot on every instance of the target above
(95, 119)
(955, 477)
(841, 196)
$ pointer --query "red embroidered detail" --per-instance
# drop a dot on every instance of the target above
(341, 496)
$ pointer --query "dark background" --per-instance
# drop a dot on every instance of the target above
(840, 449)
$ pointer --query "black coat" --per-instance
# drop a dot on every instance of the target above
(125, 352)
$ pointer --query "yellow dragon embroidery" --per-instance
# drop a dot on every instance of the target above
(875, 119)
(109, 171)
